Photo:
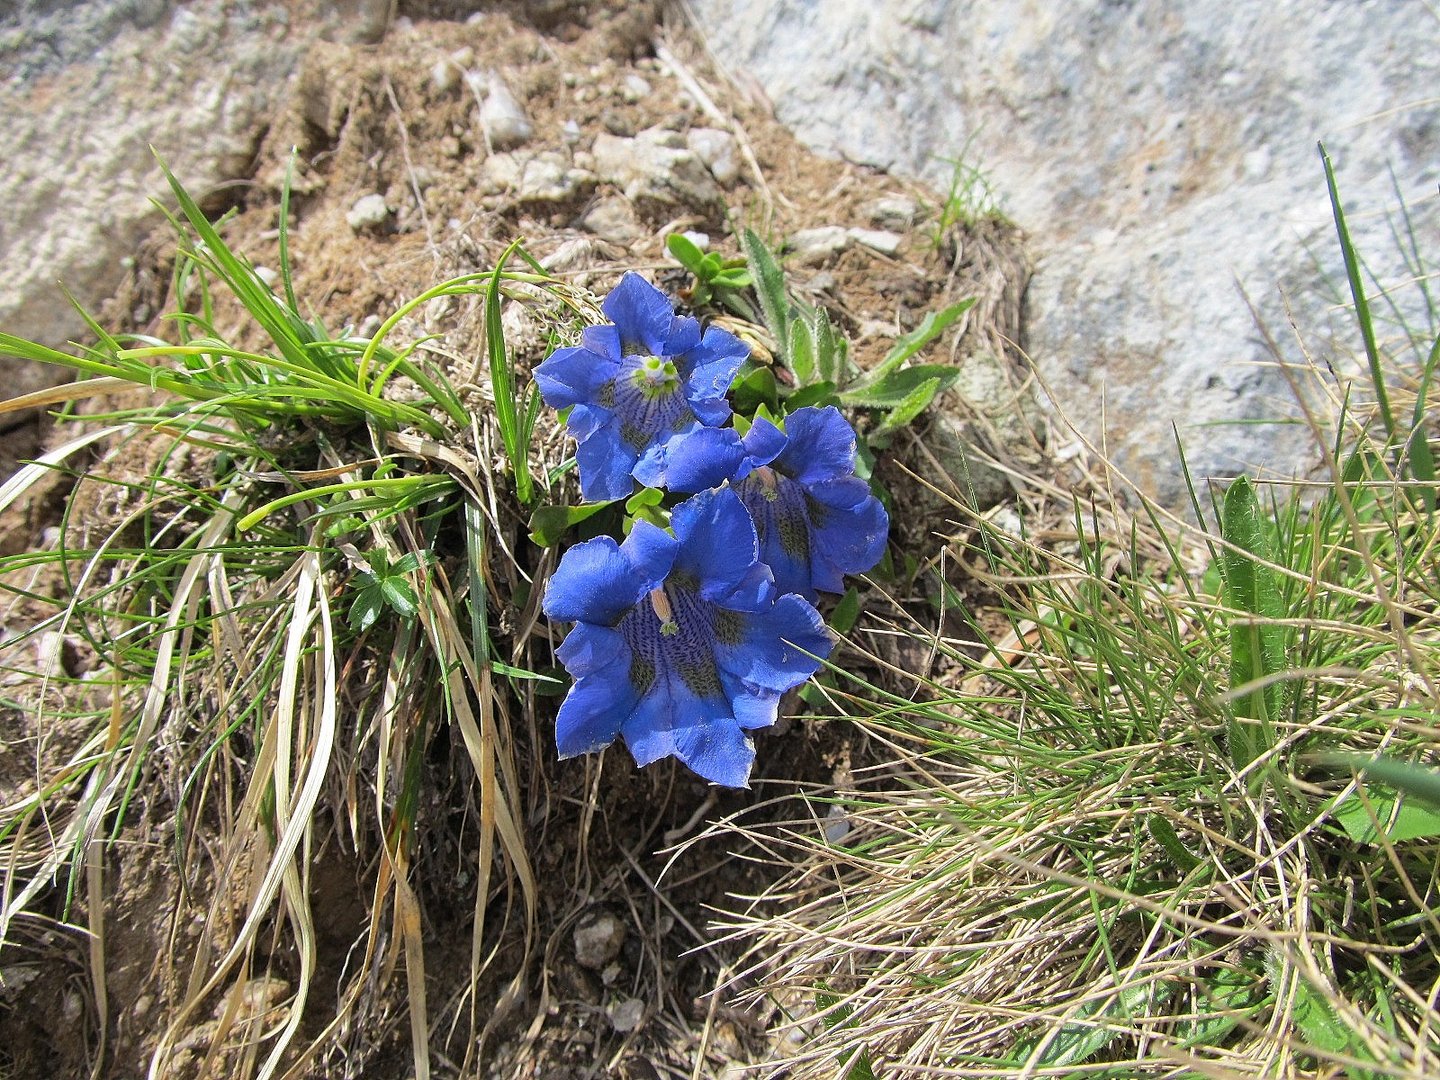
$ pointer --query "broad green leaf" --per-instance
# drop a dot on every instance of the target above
(366, 609)
(769, 286)
(829, 350)
(889, 392)
(400, 596)
(1089, 1033)
(931, 326)
(685, 252)
(756, 389)
(817, 394)
(910, 406)
(1257, 645)
(1411, 821)
(549, 523)
(643, 498)
(1165, 835)
(801, 352)
(842, 619)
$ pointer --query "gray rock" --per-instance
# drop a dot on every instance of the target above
(634, 88)
(501, 117)
(598, 937)
(718, 150)
(547, 176)
(1158, 153)
(369, 212)
(814, 247)
(613, 219)
(626, 1014)
(88, 88)
(656, 170)
(881, 240)
(897, 212)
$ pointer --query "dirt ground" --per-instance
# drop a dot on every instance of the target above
(398, 119)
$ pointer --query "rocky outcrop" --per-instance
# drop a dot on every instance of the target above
(1160, 154)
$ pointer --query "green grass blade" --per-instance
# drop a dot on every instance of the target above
(1357, 293)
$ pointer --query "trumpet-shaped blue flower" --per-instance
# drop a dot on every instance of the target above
(817, 521)
(680, 644)
(646, 395)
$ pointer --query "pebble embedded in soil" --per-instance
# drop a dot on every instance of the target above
(613, 219)
(718, 150)
(881, 240)
(369, 212)
(501, 117)
(598, 937)
(814, 247)
(896, 212)
(625, 1015)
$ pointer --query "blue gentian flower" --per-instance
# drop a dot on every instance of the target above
(646, 395)
(680, 644)
(816, 519)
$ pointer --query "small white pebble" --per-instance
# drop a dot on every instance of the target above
(369, 212)
(625, 1015)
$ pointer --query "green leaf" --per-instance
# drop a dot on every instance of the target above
(801, 352)
(931, 326)
(911, 406)
(889, 392)
(1078, 1041)
(685, 252)
(549, 523)
(756, 389)
(400, 596)
(830, 350)
(1411, 821)
(1257, 645)
(643, 498)
(769, 286)
(842, 619)
(366, 609)
(818, 394)
(1165, 835)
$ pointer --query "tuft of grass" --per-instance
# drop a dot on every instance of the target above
(1120, 820)
(287, 605)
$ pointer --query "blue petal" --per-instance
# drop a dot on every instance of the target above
(763, 442)
(642, 314)
(719, 751)
(821, 445)
(649, 729)
(594, 583)
(702, 458)
(849, 529)
(778, 649)
(719, 548)
(605, 460)
(589, 648)
(585, 420)
(593, 711)
(651, 551)
(783, 530)
(573, 375)
(753, 706)
(604, 340)
(713, 363)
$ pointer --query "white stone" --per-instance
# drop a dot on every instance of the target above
(1185, 128)
(881, 240)
(718, 150)
(613, 219)
(501, 117)
(814, 247)
(655, 167)
(369, 212)
(634, 88)
(896, 212)
(445, 75)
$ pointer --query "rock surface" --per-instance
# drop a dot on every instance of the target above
(89, 88)
(1159, 154)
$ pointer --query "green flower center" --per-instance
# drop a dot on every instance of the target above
(655, 377)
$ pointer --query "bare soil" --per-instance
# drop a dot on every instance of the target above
(603, 835)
